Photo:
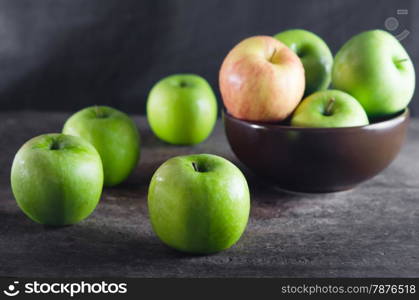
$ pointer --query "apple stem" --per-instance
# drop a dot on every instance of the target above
(97, 111)
(272, 56)
(401, 60)
(55, 145)
(329, 106)
(195, 166)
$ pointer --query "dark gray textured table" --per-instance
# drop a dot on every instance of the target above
(372, 230)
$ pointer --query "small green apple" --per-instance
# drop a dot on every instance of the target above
(57, 179)
(314, 54)
(198, 203)
(182, 109)
(331, 108)
(374, 68)
(114, 135)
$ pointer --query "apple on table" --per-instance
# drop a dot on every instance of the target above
(261, 79)
(57, 179)
(198, 203)
(114, 135)
(182, 109)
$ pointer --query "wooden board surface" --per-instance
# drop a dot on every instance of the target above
(372, 230)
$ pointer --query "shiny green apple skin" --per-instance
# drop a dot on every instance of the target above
(375, 68)
(114, 135)
(57, 179)
(202, 209)
(315, 55)
(182, 109)
(345, 111)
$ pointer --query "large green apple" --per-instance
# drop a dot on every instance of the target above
(57, 179)
(331, 108)
(198, 203)
(374, 68)
(114, 135)
(314, 54)
(182, 109)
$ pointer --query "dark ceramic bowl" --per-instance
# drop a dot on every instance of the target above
(316, 159)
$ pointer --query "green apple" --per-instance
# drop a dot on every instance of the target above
(314, 54)
(114, 135)
(374, 68)
(57, 179)
(182, 109)
(198, 203)
(331, 108)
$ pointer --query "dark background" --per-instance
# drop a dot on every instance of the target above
(68, 54)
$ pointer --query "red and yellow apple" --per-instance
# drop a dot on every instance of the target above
(261, 79)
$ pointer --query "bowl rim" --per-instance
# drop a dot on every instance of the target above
(399, 117)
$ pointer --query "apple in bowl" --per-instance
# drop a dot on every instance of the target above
(375, 68)
(330, 108)
(261, 79)
(316, 159)
(315, 55)
(328, 143)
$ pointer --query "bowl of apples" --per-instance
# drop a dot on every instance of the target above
(284, 123)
